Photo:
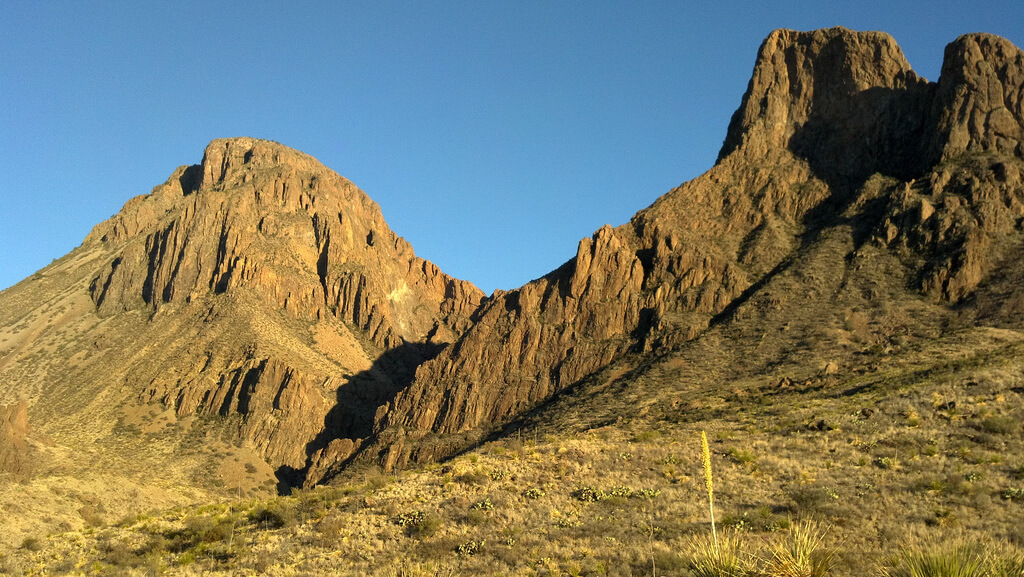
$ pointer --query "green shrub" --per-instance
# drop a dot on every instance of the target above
(800, 553)
(962, 560)
(272, 516)
(589, 494)
(1000, 425)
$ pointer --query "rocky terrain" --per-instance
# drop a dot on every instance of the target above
(835, 137)
(258, 289)
(253, 325)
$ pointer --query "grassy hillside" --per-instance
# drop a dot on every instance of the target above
(912, 450)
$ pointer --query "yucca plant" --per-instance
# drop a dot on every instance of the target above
(1009, 566)
(705, 457)
(961, 560)
(800, 553)
(711, 556)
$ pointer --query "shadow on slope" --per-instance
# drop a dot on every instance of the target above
(357, 402)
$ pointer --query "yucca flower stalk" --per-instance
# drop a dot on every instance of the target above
(705, 456)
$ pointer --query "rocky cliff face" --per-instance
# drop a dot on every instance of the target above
(265, 294)
(824, 113)
(258, 287)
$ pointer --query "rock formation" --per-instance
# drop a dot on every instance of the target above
(823, 113)
(14, 452)
(264, 297)
(257, 286)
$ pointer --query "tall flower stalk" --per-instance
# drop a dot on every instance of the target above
(705, 456)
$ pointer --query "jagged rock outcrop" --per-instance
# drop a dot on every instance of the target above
(980, 97)
(14, 451)
(264, 292)
(824, 111)
(257, 287)
(252, 216)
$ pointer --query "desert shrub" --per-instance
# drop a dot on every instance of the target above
(741, 456)
(120, 554)
(199, 530)
(800, 553)
(424, 527)
(814, 500)
(998, 424)
(589, 494)
(721, 557)
(418, 524)
(962, 560)
(92, 515)
(273, 515)
(476, 477)
(32, 544)
(647, 436)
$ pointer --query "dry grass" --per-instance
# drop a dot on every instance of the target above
(900, 451)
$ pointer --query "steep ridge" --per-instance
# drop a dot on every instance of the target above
(837, 143)
(258, 288)
(258, 302)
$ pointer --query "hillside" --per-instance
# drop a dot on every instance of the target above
(837, 302)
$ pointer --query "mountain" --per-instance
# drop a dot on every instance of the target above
(841, 168)
(254, 324)
(257, 293)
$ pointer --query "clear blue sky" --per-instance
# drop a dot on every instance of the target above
(494, 135)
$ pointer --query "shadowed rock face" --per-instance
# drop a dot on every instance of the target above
(824, 112)
(980, 98)
(259, 287)
(262, 289)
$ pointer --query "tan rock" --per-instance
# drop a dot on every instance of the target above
(14, 451)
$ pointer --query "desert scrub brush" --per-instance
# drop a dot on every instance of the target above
(720, 558)
(800, 553)
(962, 560)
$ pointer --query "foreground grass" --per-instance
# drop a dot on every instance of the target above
(914, 467)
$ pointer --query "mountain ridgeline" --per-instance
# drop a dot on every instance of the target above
(260, 300)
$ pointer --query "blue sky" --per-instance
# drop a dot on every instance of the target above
(494, 135)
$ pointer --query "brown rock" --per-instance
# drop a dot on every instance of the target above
(14, 451)
(980, 100)
(262, 289)
(259, 288)
(823, 112)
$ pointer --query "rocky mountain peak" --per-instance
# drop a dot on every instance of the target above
(836, 144)
(816, 93)
(263, 289)
(980, 101)
(226, 155)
